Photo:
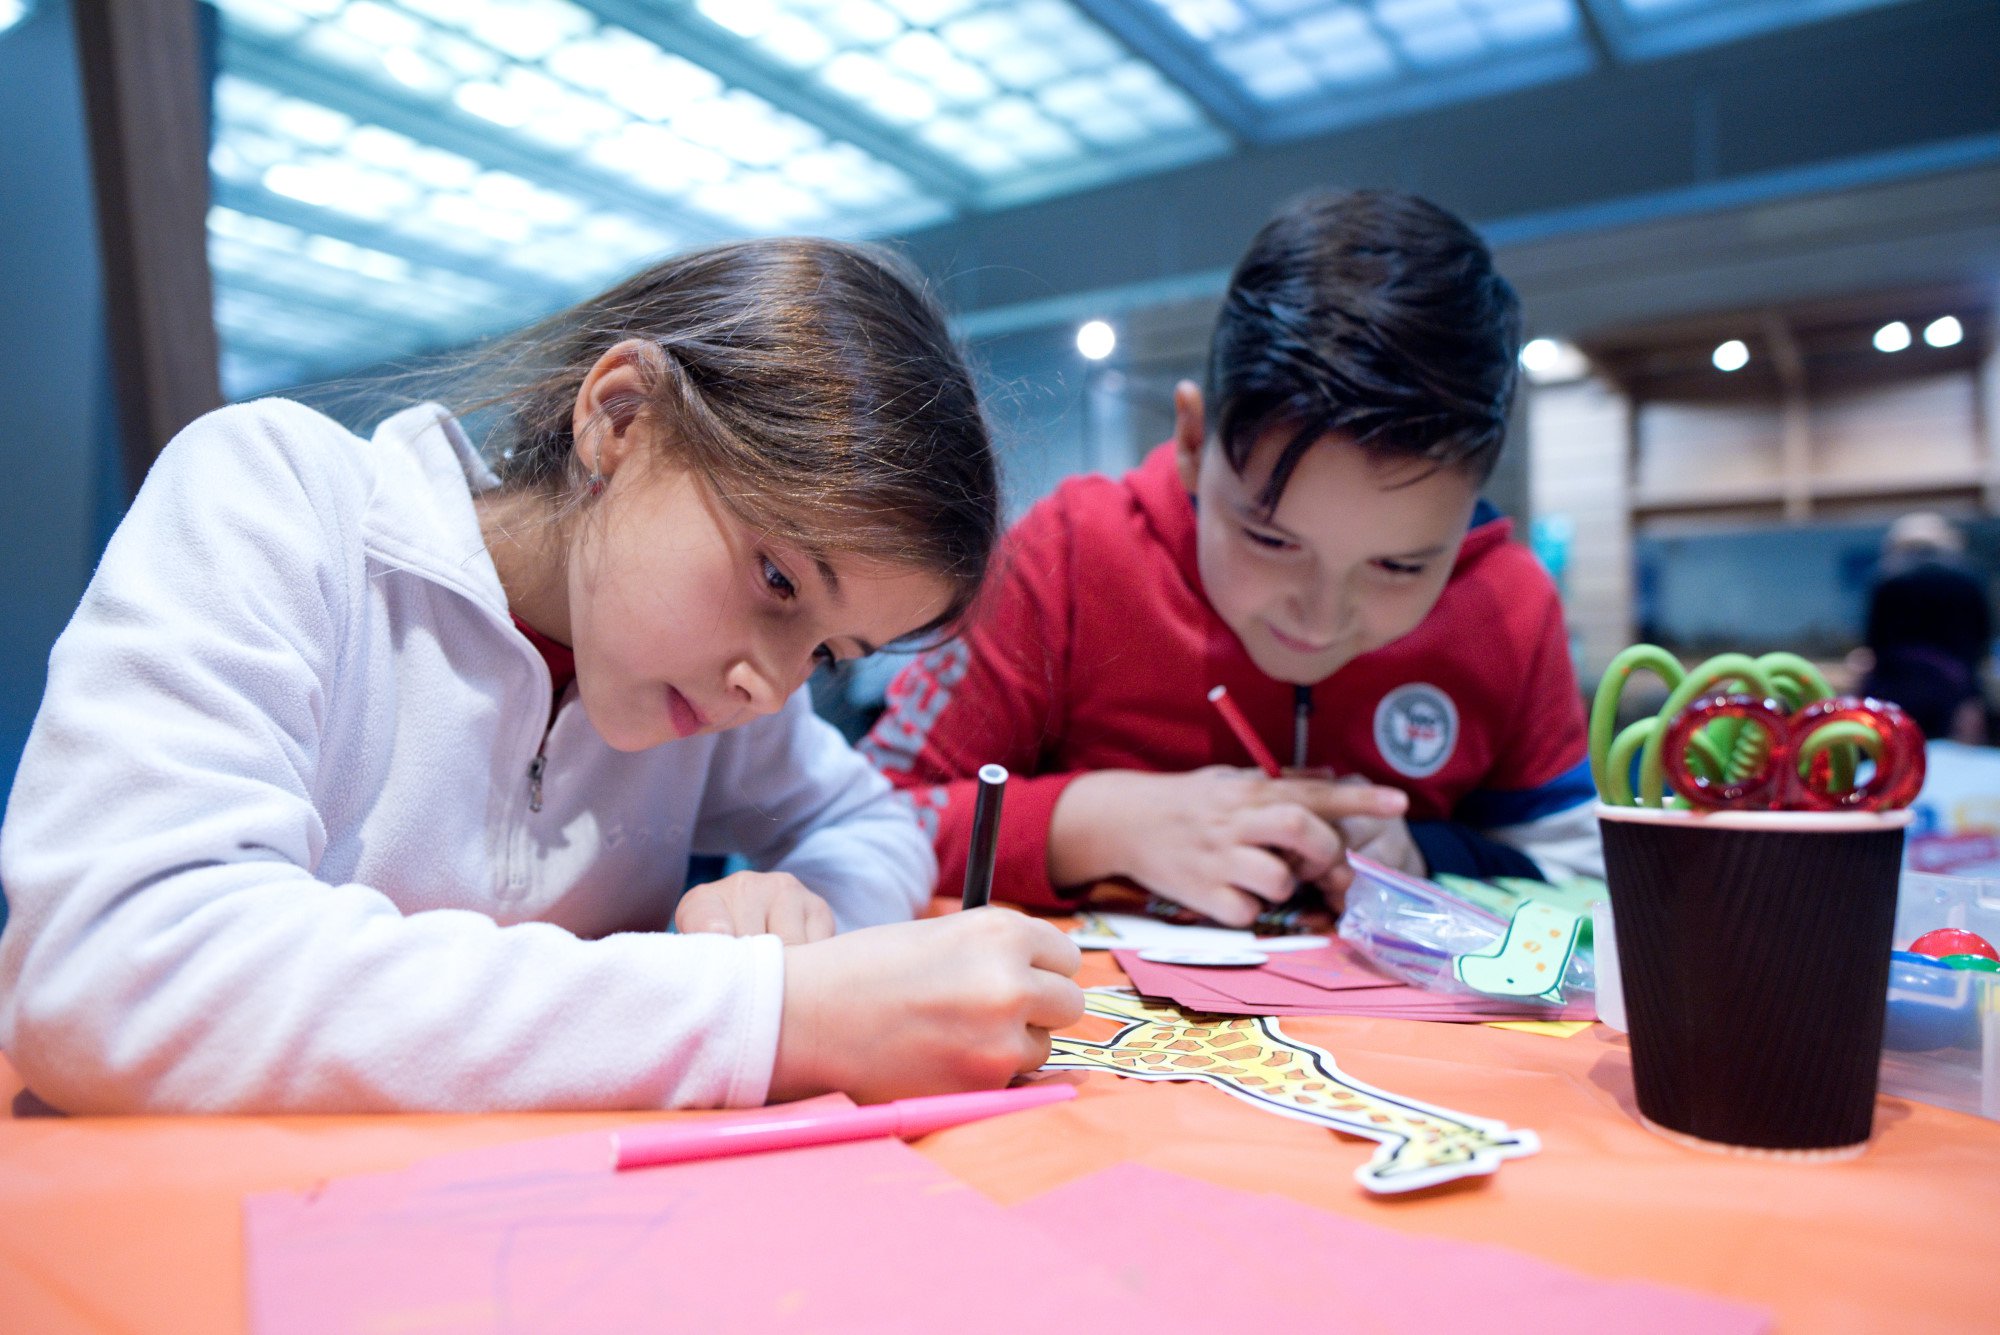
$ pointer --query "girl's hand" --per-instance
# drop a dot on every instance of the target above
(945, 1004)
(1223, 842)
(750, 903)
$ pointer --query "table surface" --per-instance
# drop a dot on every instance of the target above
(134, 1223)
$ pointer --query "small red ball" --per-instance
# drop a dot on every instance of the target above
(1953, 941)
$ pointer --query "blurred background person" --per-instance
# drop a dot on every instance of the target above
(1929, 630)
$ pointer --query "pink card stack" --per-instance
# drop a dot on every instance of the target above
(1333, 980)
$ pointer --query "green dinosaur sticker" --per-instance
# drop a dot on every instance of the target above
(1531, 959)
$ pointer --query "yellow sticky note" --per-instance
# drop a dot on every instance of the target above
(1553, 1028)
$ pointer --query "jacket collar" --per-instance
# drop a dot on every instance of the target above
(420, 516)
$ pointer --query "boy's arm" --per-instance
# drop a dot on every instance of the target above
(991, 696)
(1561, 840)
(1538, 803)
(1453, 848)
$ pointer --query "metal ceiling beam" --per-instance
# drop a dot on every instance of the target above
(251, 345)
(1183, 61)
(257, 342)
(445, 126)
(788, 90)
(312, 368)
(360, 315)
(1633, 39)
(1596, 29)
(1378, 102)
(271, 207)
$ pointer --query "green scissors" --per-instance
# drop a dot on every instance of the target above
(1729, 748)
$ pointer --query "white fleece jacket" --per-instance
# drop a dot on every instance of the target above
(271, 846)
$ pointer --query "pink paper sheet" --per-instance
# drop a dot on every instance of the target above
(873, 1236)
(868, 1235)
(1298, 1268)
(1277, 989)
(1333, 967)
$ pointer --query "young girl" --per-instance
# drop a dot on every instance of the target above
(313, 819)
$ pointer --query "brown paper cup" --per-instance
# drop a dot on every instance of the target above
(1754, 949)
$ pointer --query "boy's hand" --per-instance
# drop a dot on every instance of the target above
(750, 903)
(960, 1002)
(1387, 840)
(1222, 842)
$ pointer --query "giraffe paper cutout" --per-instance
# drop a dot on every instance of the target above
(1530, 960)
(1250, 1058)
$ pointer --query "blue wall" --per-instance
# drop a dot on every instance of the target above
(60, 486)
(1799, 588)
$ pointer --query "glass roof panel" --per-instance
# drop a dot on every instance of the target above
(1293, 51)
(590, 96)
(993, 87)
(537, 150)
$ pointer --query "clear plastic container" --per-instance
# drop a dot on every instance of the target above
(1941, 1043)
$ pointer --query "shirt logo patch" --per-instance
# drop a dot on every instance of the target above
(1416, 727)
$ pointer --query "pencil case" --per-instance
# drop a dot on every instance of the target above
(1509, 938)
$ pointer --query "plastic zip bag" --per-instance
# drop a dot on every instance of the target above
(1522, 940)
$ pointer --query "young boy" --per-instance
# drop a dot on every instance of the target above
(1319, 543)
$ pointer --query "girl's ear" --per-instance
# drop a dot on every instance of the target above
(610, 404)
(1190, 431)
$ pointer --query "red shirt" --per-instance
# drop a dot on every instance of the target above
(1098, 649)
(559, 656)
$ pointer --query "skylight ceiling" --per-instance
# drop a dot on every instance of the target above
(1315, 58)
(1004, 91)
(1271, 70)
(393, 176)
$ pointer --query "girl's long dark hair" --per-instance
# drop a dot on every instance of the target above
(813, 385)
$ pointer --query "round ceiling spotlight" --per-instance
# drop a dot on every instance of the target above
(1550, 361)
(1944, 332)
(1540, 355)
(1731, 356)
(1892, 337)
(1095, 339)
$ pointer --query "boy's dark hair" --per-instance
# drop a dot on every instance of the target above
(813, 385)
(1370, 313)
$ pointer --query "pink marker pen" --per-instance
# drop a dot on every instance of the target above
(680, 1142)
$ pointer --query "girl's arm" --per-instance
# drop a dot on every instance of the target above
(171, 945)
(789, 794)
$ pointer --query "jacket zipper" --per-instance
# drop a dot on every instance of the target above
(535, 768)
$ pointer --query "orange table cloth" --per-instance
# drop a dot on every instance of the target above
(134, 1224)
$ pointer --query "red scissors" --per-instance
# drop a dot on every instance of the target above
(1764, 757)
